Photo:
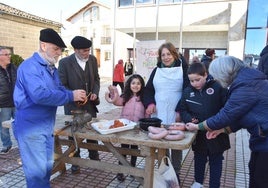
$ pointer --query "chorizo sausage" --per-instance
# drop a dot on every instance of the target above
(155, 130)
(158, 136)
(175, 135)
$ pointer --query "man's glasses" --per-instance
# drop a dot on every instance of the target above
(5, 54)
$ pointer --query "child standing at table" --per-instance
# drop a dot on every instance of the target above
(133, 108)
(202, 99)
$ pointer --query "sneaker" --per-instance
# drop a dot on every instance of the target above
(5, 150)
(196, 185)
(120, 177)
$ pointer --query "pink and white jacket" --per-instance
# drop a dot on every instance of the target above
(133, 110)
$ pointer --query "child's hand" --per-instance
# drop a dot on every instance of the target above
(108, 98)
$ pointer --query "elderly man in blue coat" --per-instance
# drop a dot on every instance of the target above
(38, 92)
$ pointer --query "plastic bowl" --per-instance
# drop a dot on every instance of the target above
(146, 122)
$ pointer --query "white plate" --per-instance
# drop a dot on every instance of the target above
(103, 126)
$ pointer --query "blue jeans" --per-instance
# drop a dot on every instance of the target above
(6, 114)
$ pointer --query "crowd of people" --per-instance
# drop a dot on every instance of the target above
(234, 96)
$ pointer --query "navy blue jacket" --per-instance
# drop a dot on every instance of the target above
(202, 104)
(246, 107)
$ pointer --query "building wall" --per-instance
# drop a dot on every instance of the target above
(206, 24)
(21, 34)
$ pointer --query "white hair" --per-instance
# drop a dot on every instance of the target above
(225, 68)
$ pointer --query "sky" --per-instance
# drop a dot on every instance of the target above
(60, 10)
(55, 10)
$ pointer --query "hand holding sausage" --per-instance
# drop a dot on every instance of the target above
(178, 126)
(191, 126)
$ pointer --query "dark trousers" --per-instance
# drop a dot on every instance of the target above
(258, 170)
(133, 159)
(121, 84)
(215, 168)
(93, 154)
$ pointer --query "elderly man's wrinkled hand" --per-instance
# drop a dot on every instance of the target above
(191, 126)
(79, 95)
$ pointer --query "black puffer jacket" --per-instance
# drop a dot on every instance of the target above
(202, 105)
(7, 84)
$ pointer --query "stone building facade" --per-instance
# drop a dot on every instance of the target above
(19, 30)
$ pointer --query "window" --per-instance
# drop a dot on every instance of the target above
(144, 1)
(123, 3)
(92, 14)
(257, 23)
(107, 55)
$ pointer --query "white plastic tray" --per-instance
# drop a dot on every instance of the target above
(103, 126)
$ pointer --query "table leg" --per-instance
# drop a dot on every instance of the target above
(60, 166)
(149, 165)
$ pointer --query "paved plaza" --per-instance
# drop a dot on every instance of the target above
(234, 173)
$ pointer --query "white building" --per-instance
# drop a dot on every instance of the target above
(219, 24)
(191, 25)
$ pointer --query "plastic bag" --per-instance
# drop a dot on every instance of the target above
(165, 175)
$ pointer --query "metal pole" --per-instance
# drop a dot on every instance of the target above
(114, 37)
(156, 25)
(134, 36)
(181, 27)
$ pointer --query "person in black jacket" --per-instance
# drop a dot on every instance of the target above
(208, 57)
(80, 71)
(8, 75)
(199, 101)
(263, 62)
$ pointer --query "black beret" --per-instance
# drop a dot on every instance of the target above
(51, 36)
(80, 42)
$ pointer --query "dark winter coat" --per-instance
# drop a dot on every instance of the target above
(202, 104)
(149, 92)
(7, 84)
(263, 62)
(206, 60)
(246, 107)
(74, 77)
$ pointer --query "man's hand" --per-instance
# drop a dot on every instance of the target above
(93, 97)
(79, 95)
(191, 126)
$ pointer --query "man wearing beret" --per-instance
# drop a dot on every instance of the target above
(80, 71)
(38, 92)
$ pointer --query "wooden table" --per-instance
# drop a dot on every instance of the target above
(149, 149)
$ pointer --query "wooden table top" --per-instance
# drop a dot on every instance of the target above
(134, 136)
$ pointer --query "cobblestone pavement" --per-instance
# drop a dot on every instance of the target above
(234, 173)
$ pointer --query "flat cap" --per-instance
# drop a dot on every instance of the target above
(51, 36)
(80, 42)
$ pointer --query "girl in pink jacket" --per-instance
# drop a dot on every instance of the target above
(133, 108)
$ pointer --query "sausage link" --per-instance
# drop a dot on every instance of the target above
(155, 130)
(158, 136)
(179, 136)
